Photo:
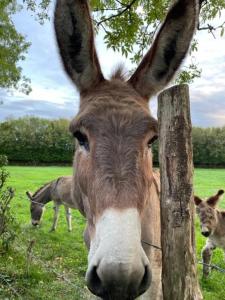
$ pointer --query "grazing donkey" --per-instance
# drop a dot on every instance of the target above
(58, 191)
(212, 226)
(114, 184)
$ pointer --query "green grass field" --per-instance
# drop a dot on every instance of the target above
(57, 266)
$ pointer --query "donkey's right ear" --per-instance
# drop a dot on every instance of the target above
(75, 37)
(197, 200)
(29, 195)
(213, 200)
(168, 50)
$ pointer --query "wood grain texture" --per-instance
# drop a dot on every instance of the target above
(179, 275)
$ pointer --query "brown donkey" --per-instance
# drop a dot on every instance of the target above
(212, 222)
(58, 191)
(114, 183)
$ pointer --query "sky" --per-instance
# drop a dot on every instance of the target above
(54, 96)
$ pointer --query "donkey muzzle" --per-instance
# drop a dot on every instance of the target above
(35, 223)
(118, 267)
(117, 282)
(205, 231)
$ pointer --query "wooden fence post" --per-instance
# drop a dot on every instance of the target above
(179, 275)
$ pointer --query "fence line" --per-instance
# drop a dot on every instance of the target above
(48, 267)
(212, 266)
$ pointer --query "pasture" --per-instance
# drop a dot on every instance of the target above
(56, 265)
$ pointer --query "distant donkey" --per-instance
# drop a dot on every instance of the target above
(114, 184)
(58, 191)
(212, 226)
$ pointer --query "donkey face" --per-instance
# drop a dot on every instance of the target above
(115, 130)
(113, 164)
(36, 210)
(207, 213)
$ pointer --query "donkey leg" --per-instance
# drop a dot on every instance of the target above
(56, 217)
(206, 257)
(68, 218)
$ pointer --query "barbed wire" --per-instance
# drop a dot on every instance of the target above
(212, 266)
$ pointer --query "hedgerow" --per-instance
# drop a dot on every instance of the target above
(33, 140)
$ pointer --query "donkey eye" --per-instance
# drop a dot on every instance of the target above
(82, 139)
(152, 140)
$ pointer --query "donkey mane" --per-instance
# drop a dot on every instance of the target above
(46, 185)
(119, 73)
(41, 188)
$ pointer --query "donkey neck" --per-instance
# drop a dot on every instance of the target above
(43, 196)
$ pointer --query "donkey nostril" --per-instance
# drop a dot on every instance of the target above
(146, 280)
(94, 282)
(206, 233)
(94, 277)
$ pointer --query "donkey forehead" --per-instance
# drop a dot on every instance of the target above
(115, 120)
(112, 91)
(36, 206)
(205, 209)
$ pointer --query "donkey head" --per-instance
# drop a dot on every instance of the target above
(115, 131)
(36, 210)
(207, 213)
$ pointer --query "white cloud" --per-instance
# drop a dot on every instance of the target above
(58, 95)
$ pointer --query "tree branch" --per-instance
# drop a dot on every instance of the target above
(105, 9)
(103, 27)
(211, 28)
(202, 3)
(127, 7)
(121, 3)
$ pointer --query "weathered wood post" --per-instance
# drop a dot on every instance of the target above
(179, 275)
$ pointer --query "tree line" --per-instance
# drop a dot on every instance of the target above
(32, 140)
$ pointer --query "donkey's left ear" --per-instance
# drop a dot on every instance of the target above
(29, 195)
(168, 50)
(197, 200)
(75, 37)
(212, 201)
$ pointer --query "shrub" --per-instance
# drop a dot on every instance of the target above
(8, 226)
